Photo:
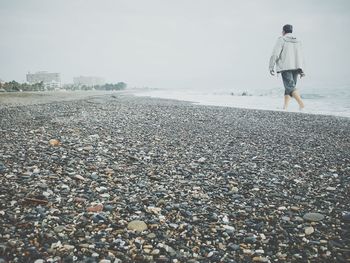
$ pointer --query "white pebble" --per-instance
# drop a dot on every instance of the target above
(309, 230)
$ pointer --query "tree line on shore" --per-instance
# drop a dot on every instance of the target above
(14, 86)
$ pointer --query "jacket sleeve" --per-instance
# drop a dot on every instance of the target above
(300, 58)
(276, 53)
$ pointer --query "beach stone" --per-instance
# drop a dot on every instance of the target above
(137, 225)
(88, 148)
(155, 251)
(94, 137)
(68, 247)
(294, 208)
(259, 251)
(214, 217)
(330, 188)
(56, 245)
(99, 217)
(2, 167)
(250, 239)
(298, 219)
(105, 195)
(54, 142)
(108, 207)
(170, 250)
(79, 177)
(201, 160)
(79, 200)
(151, 235)
(3, 248)
(234, 189)
(101, 189)
(309, 230)
(262, 236)
(163, 258)
(94, 176)
(229, 228)
(225, 219)
(346, 217)
(155, 210)
(260, 259)
(247, 251)
(315, 217)
(59, 229)
(233, 246)
(96, 208)
(42, 185)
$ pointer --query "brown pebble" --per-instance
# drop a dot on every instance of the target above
(96, 208)
(35, 201)
(54, 142)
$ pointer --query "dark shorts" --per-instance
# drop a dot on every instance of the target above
(290, 78)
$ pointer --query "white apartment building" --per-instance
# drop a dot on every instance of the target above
(50, 80)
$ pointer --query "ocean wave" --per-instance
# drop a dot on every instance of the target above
(312, 96)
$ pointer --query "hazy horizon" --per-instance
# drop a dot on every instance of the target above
(172, 44)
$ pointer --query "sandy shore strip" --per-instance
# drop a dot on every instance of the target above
(30, 98)
(118, 178)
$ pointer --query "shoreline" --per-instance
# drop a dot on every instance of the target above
(135, 179)
(10, 99)
(256, 102)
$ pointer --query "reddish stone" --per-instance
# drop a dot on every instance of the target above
(96, 208)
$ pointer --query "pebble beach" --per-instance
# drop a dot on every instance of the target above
(117, 178)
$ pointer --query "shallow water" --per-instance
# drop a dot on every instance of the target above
(328, 101)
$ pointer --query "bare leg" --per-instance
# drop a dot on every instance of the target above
(297, 97)
(286, 101)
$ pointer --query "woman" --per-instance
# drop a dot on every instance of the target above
(288, 59)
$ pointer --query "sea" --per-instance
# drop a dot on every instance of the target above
(327, 101)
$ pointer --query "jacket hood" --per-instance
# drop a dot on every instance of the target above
(290, 38)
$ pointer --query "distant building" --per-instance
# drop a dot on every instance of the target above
(88, 81)
(50, 80)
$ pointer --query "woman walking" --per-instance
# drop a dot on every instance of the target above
(288, 58)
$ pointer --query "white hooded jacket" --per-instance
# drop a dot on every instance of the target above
(287, 54)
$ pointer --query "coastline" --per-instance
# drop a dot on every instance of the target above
(10, 99)
(316, 105)
(210, 183)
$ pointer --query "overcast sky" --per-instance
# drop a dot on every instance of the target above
(172, 43)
